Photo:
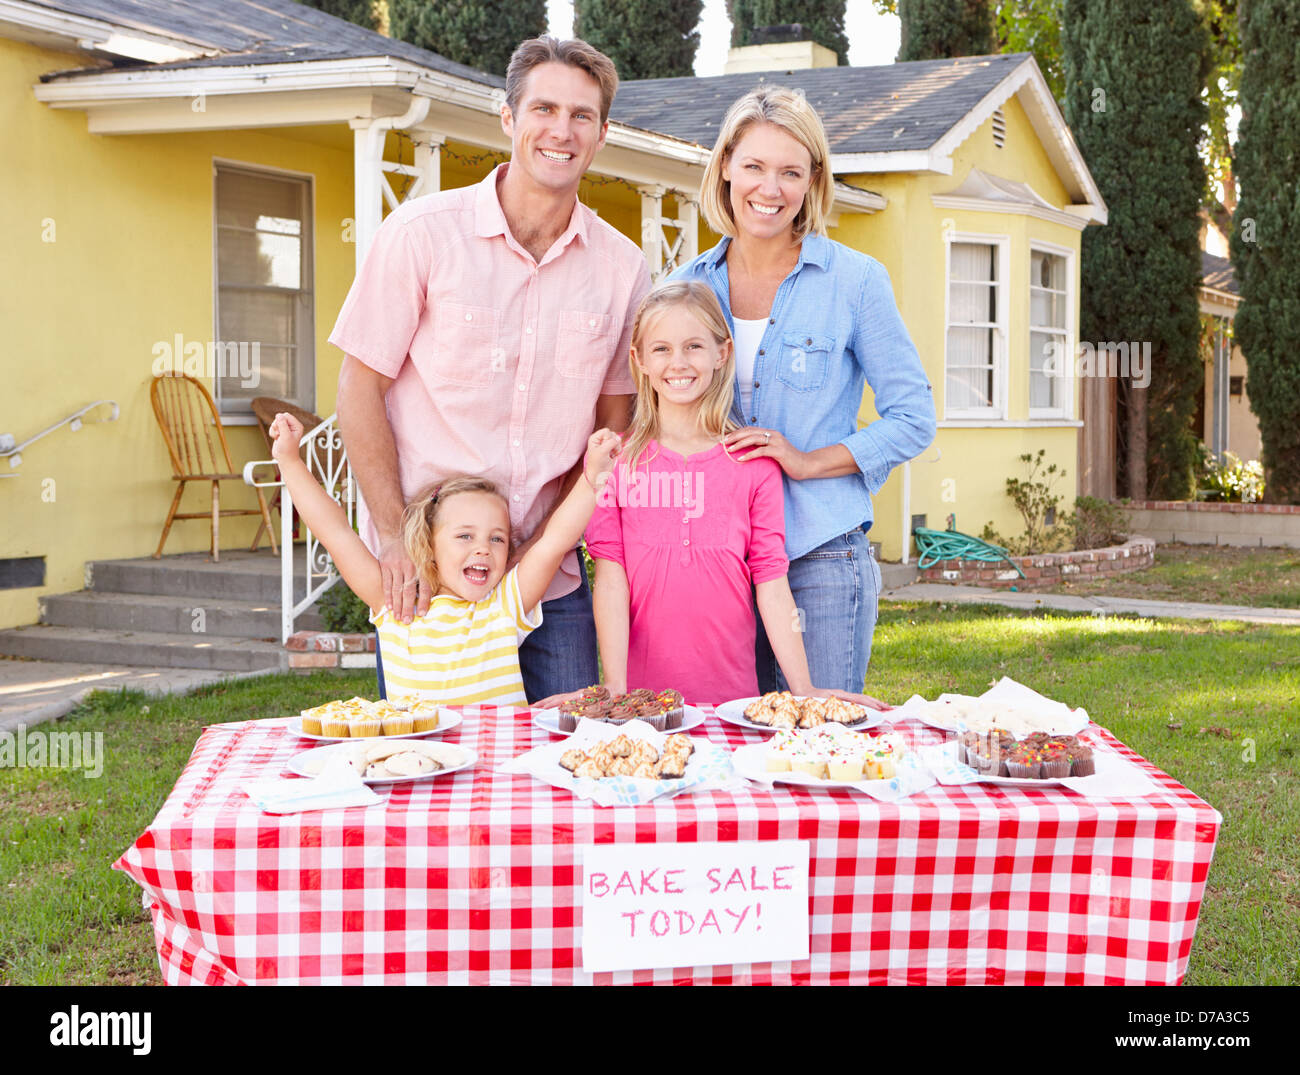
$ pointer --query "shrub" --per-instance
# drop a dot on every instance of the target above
(1229, 479)
(344, 611)
(1097, 523)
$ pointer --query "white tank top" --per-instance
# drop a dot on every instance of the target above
(748, 335)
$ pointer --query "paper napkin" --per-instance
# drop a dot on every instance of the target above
(338, 785)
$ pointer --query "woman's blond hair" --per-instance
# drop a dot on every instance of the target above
(420, 521)
(790, 111)
(715, 405)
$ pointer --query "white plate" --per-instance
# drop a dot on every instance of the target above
(301, 766)
(447, 719)
(751, 763)
(1071, 724)
(734, 713)
(549, 719)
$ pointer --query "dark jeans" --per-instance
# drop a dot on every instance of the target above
(560, 656)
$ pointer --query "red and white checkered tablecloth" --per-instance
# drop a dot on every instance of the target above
(472, 878)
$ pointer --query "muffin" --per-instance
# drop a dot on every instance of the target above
(847, 767)
(365, 725)
(1083, 762)
(1056, 762)
(311, 722)
(1024, 763)
(336, 726)
(424, 716)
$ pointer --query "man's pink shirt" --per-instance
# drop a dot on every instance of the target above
(497, 360)
(693, 535)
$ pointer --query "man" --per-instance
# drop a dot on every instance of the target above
(487, 333)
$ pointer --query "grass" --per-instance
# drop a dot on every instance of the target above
(1197, 698)
(1216, 574)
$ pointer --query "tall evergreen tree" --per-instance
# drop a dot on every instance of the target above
(1137, 123)
(362, 12)
(478, 33)
(937, 29)
(644, 38)
(822, 20)
(1266, 235)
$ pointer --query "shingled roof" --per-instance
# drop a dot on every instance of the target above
(1217, 272)
(900, 106)
(243, 32)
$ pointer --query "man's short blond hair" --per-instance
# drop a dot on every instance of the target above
(546, 49)
(790, 111)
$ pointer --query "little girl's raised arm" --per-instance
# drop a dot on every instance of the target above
(565, 526)
(360, 570)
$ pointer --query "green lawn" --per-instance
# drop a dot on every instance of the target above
(1216, 574)
(1196, 698)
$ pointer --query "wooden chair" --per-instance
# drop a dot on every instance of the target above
(187, 416)
(265, 408)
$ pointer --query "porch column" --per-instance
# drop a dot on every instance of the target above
(661, 255)
(370, 185)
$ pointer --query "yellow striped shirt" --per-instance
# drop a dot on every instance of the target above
(459, 652)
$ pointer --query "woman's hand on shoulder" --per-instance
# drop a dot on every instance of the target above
(755, 442)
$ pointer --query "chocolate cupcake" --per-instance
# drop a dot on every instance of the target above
(1056, 762)
(1024, 763)
(1082, 761)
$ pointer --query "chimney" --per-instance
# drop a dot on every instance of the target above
(779, 48)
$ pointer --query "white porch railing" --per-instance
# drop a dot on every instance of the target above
(327, 461)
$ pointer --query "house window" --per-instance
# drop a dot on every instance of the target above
(264, 297)
(975, 352)
(1050, 368)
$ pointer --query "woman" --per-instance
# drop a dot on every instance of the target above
(812, 321)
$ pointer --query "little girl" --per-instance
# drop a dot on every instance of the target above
(465, 649)
(682, 530)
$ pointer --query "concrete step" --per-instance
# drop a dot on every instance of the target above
(892, 576)
(188, 616)
(142, 648)
(241, 576)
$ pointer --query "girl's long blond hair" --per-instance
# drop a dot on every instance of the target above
(420, 520)
(715, 406)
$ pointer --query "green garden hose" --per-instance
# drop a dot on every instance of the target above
(937, 545)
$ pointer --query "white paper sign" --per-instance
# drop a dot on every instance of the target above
(694, 904)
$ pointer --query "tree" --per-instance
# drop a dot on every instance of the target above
(1137, 123)
(361, 12)
(644, 38)
(477, 33)
(938, 29)
(822, 20)
(1265, 248)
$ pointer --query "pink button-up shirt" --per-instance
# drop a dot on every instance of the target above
(497, 359)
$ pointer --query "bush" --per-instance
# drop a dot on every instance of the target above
(343, 611)
(1097, 523)
(1035, 501)
(1229, 479)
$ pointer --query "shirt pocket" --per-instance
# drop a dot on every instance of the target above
(583, 344)
(467, 345)
(805, 358)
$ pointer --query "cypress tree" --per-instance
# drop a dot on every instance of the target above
(938, 29)
(1266, 236)
(644, 38)
(360, 12)
(822, 20)
(1137, 123)
(477, 33)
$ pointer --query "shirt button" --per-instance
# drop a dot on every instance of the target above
(754, 419)
(591, 324)
(529, 330)
(686, 518)
(516, 444)
(523, 388)
(756, 384)
(686, 541)
(469, 317)
(808, 342)
(761, 351)
(515, 497)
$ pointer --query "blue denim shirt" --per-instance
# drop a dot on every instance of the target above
(834, 325)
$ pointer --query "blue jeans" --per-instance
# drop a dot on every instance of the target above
(836, 589)
(560, 656)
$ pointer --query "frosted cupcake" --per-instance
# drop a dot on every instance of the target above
(810, 763)
(365, 725)
(780, 749)
(845, 765)
(336, 725)
(424, 716)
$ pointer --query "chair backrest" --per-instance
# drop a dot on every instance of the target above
(188, 418)
(265, 408)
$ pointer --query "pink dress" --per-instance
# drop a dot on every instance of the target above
(693, 535)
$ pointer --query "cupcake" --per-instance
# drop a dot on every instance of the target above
(779, 750)
(336, 726)
(809, 763)
(365, 725)
(1024, 763)
(311, 721)
(845, 766)
(1056, 762)
(1083, 762)
(424, 716)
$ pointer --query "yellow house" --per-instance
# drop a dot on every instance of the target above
(184, 177)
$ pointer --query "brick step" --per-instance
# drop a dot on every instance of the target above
(187, 616)
(142, 648)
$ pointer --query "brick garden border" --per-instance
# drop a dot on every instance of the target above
(310, 650)
(1212, 522)
(1046, 569)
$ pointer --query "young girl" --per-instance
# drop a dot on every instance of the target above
(465, 649)
(683, 530)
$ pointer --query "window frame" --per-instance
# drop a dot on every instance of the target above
(997, 410)
(1066, 408)
(305, 344)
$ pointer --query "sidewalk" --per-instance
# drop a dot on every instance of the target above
(36, 691)
(1098, 606)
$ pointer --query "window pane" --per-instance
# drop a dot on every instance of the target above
(253, 316)
(970, 368)
(259, 201)
(1048, 365)
(265, 258)
(972, 302)
(974, 261)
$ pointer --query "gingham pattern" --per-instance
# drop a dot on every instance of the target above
(472, 878)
